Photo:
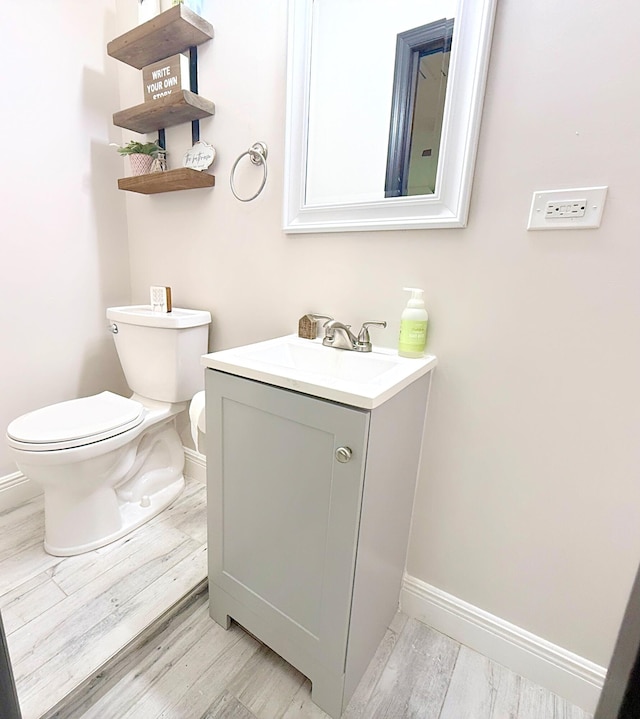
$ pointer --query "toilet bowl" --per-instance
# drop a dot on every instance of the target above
(107, 463)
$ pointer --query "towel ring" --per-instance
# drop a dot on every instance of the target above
(258, 155)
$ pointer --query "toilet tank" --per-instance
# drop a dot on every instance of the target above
(160, 351)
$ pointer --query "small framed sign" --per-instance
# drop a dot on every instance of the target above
(166, 76)
(200, 156)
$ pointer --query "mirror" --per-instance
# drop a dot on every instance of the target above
(346, 115)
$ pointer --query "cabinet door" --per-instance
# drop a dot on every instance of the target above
(284, 512)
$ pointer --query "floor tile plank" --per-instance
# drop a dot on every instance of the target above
(22, 554)
(266, 685)
(190, 514)
(28, 600)
(365, 689)
(42, 638)
(481, 689)
(538, 703)
(110, 634)
(148, 665)
(141, 551)
(302, 707)
(368, 683)
(21, 526)
(134, 660)
(67, 615)
(228, 707)
(204, 687)
(415, 680)
(183, 674)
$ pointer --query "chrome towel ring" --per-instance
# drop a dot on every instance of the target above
(258, 156)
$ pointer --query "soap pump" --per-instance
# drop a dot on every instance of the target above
(413, 325)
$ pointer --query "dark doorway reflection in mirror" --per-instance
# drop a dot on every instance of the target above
(417, 109)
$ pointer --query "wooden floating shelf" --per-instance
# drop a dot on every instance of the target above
(184, 178)
(173, 31)
(181, 106)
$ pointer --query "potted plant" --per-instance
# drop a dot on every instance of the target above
(142, 156)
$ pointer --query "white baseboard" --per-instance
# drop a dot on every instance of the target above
(195, 465)
(15, 488)
(568, 675)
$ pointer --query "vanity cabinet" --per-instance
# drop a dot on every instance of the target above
(309, 506)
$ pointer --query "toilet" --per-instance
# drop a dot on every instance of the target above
(107, 463)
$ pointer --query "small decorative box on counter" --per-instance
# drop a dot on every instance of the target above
(165, 76)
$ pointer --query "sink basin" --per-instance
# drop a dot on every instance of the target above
(359, 379)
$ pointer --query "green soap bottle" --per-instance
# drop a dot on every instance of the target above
(413, 326)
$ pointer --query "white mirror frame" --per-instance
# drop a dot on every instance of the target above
(449, 206)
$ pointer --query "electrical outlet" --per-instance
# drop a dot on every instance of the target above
(567, 209)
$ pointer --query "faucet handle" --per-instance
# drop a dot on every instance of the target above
(363, 335)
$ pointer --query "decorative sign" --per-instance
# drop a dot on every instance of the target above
(200, 156)
(166, 76)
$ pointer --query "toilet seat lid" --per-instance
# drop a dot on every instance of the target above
(88, 418)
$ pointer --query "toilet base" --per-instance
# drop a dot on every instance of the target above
(133, 514)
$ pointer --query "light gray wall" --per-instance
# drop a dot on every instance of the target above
(528, 498)
(62, 224)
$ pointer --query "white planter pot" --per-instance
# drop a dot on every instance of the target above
(140, 164)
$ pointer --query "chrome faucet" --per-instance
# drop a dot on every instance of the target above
(340, 336)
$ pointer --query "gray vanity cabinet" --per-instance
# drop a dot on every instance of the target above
(309, 507)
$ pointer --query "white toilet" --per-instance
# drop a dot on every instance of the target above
(107, 463)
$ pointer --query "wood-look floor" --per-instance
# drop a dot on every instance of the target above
(69, 619)
(66, 616)
(194, 669)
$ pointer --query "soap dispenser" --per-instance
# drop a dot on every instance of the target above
(413, 326)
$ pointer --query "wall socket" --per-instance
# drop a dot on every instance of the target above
(567, 209)
(572, 208)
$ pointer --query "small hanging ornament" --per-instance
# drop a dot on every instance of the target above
(200, 156)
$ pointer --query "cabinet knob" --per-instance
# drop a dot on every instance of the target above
(343, 454)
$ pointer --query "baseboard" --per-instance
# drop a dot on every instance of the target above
(566, 674)
(195, 465)
(15, 488)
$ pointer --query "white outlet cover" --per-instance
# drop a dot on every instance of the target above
(595, 197)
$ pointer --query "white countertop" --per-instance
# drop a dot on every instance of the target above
(359, 379)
